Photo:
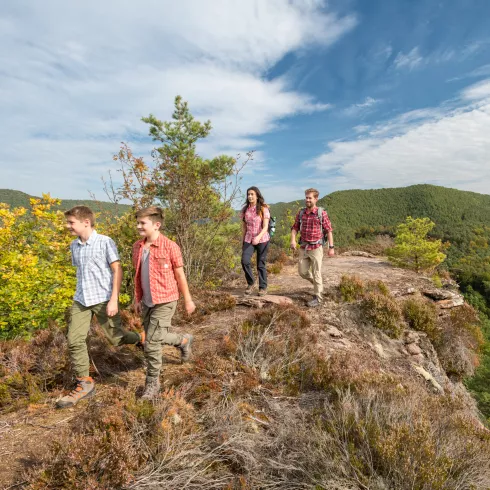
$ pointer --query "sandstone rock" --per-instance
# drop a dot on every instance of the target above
(334, 332)
(438, 294)
(418, 358)
(428, 377)
(259, 301)
(379, 350)
(414, 349)
(451, 303)
(411, 337)
(358, 253)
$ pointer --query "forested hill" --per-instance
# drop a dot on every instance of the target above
(354, 212)
(20, 199)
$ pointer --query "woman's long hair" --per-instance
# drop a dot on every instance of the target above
(260, 201)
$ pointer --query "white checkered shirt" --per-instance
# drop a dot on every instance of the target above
(93, 261)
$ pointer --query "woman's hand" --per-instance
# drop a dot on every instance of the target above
(256, 240)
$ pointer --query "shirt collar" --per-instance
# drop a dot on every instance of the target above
(90, 239)
(156, 243)
(312, 210)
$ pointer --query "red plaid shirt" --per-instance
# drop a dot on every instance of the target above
(254, 224)
(165, 257)
(310, 229)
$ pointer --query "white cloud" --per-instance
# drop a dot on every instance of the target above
(409, 60)
(75, 80)
(447, 145)
(362, 107)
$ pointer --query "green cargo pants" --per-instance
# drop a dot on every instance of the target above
(157, 322)
(80, 319)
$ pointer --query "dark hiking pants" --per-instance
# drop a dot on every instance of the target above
(247, 252)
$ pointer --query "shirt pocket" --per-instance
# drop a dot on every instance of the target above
(162, 264)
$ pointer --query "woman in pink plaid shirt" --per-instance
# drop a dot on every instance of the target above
(255, 216)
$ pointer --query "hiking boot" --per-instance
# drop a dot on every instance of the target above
(152, 388)
(314, 303)
(262, 292)
(141, 343)
(186, 349)
(85, 388)
(250, 289)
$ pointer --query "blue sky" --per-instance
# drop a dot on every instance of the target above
(338, 95)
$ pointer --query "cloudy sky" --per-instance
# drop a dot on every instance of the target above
(339, 95)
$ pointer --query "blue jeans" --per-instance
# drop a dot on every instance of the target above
(247, 252)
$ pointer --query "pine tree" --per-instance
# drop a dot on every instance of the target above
(413, 250)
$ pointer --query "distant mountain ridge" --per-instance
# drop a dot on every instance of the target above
(357, 213)
(17, 199)
(353, 212)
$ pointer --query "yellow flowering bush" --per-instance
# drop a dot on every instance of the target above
(37, 280)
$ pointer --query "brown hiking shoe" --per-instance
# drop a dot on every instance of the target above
(152, 388)
(186, 349)
(250, 289)
(262, 292)
(85, 388)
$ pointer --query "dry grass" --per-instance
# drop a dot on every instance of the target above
(421, 315)
(460, 343)
(263, 410)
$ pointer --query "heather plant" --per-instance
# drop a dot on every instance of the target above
(461, 342)
(422, 316)
(383, 312)
(351, 288)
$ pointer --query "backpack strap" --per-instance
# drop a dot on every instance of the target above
(320, 219)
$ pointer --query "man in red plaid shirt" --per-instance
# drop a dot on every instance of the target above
(312, 232)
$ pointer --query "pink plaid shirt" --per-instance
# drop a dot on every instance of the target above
(254, 224)
(165, 257)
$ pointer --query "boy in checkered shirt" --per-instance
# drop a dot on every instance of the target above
(99, 277)
(159, 277)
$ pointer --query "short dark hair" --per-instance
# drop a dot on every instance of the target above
(153, 212)
(81, 213)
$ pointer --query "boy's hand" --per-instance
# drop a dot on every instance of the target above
(137, 307)
(112, 307)
(190, 307)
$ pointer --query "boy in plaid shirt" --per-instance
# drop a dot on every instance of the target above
(159, 278)
(312, 234)
(99, 277)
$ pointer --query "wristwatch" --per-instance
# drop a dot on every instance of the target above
(331, 246)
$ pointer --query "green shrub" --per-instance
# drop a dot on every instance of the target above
(422, 316)
(351, 288)
(383, 312)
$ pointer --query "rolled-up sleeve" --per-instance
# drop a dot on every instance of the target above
(296, 223)
(327, 226)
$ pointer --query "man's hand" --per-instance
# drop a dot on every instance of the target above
(137, 307)
(331, 252)
(112, 307)
(190, 307)
(293, 245)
